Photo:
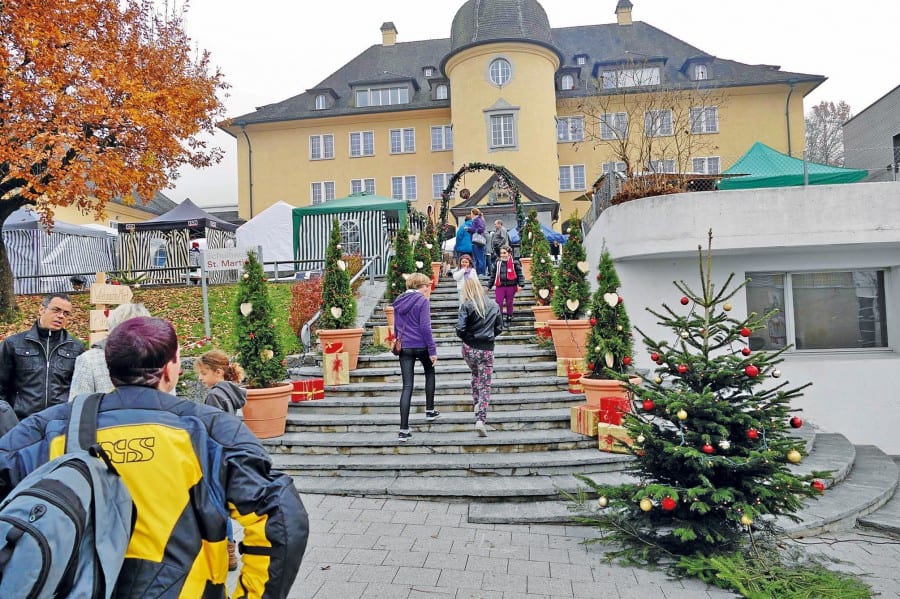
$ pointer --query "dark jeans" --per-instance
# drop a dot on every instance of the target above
(408, 359)
(478, 257)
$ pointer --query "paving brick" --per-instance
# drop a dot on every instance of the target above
(358, 541)
(460, 579)
(345, 590)
(378, 590)
(417, 576)
(365, 556)
(528, 568)
(405, 558)
(381, 574)
(508, 583)
(544, 554)
(493, 565)
(446, 560)
(541, 585)
(391, 543)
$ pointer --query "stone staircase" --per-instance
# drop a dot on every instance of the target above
(347, 443)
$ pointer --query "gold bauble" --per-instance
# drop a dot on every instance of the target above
(603, 501)
(727, 307)
(682, 414)
(646, 504)
(794, 457)
(746, 520)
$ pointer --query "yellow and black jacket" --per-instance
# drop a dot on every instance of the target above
(188, 467)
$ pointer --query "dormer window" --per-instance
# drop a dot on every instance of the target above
(700, 72)
(321, 102)
(384, 96)
(441, 92)
(429, 71)
(567, 82)
(581, 59)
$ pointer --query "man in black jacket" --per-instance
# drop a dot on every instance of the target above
(36, 365)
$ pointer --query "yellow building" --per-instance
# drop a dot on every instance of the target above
(555, 107)
(117, 211)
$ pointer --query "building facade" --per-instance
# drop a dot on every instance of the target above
(555, 106)
(872, 138)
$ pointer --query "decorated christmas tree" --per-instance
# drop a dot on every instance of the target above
(542, 271)
(531, 232)
(432, 240)
(401, 263)
(338, 303)
(610, 347)
(422, 254)
(710, 436)
(258, 349)
(572, 291)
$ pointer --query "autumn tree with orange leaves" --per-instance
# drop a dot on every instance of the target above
(99, 99)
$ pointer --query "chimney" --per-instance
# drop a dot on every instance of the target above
(623, 12)
(388, 34)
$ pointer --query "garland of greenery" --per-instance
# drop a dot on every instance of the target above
(472, 167)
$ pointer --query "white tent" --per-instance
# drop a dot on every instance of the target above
(273, 230)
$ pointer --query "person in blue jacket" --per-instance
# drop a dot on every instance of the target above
(463, 240)
(478, 230)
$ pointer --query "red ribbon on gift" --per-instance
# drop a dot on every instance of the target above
(390, 337)
(334, 347)
(337, 363)
(543, 332)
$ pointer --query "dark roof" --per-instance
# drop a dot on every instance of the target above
(229, 216)
(184, 215)
(607, 44)
(529, 198)
(160, 204)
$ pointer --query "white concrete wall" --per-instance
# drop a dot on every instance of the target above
(654, 242)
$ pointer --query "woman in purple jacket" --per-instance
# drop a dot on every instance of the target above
(412, 325)
(478, 226)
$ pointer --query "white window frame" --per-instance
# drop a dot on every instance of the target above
(405, 138)
(502, 131)
(351, 240)
(567, 82)
(408, 187)
(572, 178)
(569, 128)
(613, 125)
(442, 92)
(658, 123)
(662, 166)
(500, 71)
(320, 192)
(365, 144)
(159, 252)
(789, 314)
(613, 166)
(439, 183)
(362, 185)
(706, 165)
(640, 77)
(704, 119)
(321, 102)
(581, 60)
(701, 73)
(381, 96)
(428, 71)
(321, 147)
(441, 138)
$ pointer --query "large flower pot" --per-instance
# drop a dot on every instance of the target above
(265, 412)
(389, 315)
(350, 338)
(542, 313)
(526, 267)
(570, 337)
(594, 389)
(436, 273)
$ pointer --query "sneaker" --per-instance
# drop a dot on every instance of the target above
(479, 428)
(432, 415)
(404, 436)
(232, 556)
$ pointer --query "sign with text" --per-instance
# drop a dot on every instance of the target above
(224, 259)
(99, 321)
(102, 293)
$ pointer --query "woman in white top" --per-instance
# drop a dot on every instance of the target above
(465, 271)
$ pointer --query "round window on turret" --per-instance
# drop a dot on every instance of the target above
(500, 71)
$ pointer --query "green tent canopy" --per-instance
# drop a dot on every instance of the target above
(763, 166)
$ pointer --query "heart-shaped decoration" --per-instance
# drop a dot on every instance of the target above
(429, 246)
(266, 355)
(583, 266)
(609, 359)
(572, 305)
(106, 313)
(342, 265)
(419, 264)
(405, 276)
(544, 293)
(246, 308)
(611, 298)
(336, 311)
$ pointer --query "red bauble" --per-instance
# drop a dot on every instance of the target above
(796, 422)
(818, 485)
(707, 448)
(464, 193)
(745, 332)
(668, 504)
(685, 301)
(626, 360)
(660, 362)
(116, 282)
(654, 356)
(746, 351)
(593, 322)
(621, 299)
(682, 368)
(598, 276)
(591, 366)
(753, 434)
(751, 371)
(648, 405)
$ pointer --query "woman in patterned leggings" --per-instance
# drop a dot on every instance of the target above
(478, 324)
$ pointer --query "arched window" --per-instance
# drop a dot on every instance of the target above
(350, 241)
(321, 102)
(441, 92)
(568, 82)
(158, 252)
(700, 72)
(501, 71)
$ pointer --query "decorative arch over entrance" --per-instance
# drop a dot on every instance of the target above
(503, 175)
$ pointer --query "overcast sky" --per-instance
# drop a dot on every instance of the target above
(271, 50)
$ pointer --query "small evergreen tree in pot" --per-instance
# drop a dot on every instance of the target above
(610, 344)
(401, 263)
(530, 233)
(338, 303)
(258, 349)
(542, 271)
(432, 240)
(572, 292)
(422, 255)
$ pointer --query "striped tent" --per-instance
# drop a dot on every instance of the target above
(368, 223)
(42, 261)
(158, 248)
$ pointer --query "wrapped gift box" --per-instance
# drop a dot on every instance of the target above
(584, 420)
(612, 408)
(308, 389)
(335, 368)
(383, 336)
(613, 438)
(567, 366)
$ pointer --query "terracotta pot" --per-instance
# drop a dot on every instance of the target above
(526, 267)
(350, 338)
(542, 313)
(389, 314)
(570, 337)
(436, 272)
(265, 412)
(594, 389)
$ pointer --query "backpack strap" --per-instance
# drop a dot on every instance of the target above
(82, 431)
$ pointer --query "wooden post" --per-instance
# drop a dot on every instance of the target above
(102, 295)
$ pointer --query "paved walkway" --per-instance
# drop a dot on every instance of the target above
(388, 548)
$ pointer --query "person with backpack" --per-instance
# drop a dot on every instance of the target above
(463, 243)
(187, 466)
(221, 377)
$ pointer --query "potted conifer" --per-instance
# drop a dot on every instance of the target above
(542, 280)
(400, 266)
(570, 297)
(530, 233)
(259, 353)
(338, 304)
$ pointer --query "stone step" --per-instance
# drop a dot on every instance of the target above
(503, 369)
(885, 519)
(452, 465)
(510, 420)
(335, 403)
(450, 385)
(427, 443)
(449, 331)
(447, 356)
